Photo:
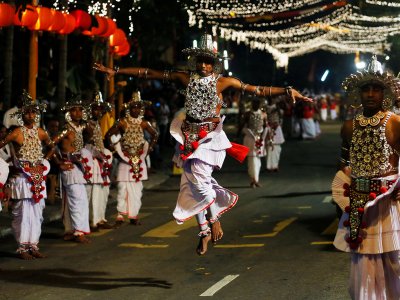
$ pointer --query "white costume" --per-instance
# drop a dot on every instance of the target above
(75, 201)
(28, 190)
(373, 238)
(274, 148)
(201, 148)
(99, 187)
(132, 149)
(254, 139)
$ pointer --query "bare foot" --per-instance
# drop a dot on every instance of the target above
(37, 254)
(25, 256)
(216, 231)
(68, 236)
(81, 239)
(203, 244)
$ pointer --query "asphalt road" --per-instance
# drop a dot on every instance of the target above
(277, 243)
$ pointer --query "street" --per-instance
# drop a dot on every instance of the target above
(277, 243)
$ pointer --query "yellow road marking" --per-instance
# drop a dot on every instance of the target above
(105, 231)
(304, 207)
(331, 229)
(240, 246)
(170, 229)
(278, 228)
(322, 243)
(258, 221)
(142, 246)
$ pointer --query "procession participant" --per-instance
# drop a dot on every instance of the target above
(324, 108)
(98, 189)
(308, 130)
(275, 137)
(203, 143)
(76, 164)
(367, 186)
(253, 124)
(27, 183)
(132, 149)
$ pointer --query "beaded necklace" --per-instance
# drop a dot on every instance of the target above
(31, 149)
(370, 151)
(78, 141)
(132, 140)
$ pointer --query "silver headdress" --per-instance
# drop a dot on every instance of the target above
(373, 74)
(206, 49)
(27, 103)
(75, 101)
(98, 101)
(136, 100)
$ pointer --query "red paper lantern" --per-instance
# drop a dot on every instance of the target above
(118, 38)
(111, 27)
(83, 19)
(58, 20)
(102, 26)
(124, 49)
(70, 24)
(45, 19)
(27, 18)
(7, 12)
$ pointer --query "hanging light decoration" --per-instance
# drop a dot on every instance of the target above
(7, 12)
(26, 17)
(70, 24)
(111, 27)
(58, 21)
(117, 38)
(83, 19)
(45, 19)
(290, 28)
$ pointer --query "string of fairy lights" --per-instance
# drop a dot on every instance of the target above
(291, 28)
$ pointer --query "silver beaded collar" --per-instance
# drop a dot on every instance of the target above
(97, 136)
(78, 141)
(132, 140)
(31, 149)
(256, 122)
(201, 97)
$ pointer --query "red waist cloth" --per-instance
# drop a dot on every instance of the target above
(238, 152)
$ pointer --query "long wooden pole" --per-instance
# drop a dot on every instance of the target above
(33, 59)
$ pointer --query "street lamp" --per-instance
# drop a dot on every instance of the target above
(360, 65)
(226, 64)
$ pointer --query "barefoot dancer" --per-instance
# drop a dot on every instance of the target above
(203, 143)
(75, 163)
(98, 189)
(254, 127)
(132, 150)
(27, 183)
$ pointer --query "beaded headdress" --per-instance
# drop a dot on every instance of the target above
(372, 74)
(206, 49)
(26, 103)
(75, 101)
(98, 101)
(136, 100)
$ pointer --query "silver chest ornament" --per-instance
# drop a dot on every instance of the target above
(31, 149)
(201, 97)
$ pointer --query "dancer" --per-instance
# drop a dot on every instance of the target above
(202, 143)
(98, 188)
(254, 127)
(27, 184)
(367, 186)
(132, 149)
(76, 164)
